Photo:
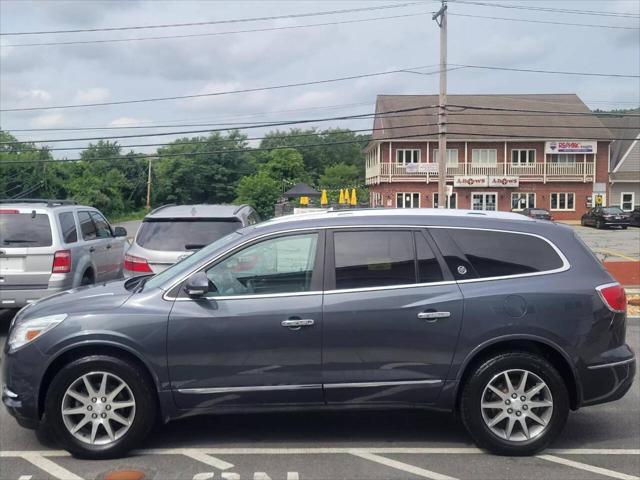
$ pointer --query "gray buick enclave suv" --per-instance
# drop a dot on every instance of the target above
(509, 321)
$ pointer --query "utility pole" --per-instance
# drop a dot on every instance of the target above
(441, 19)
(149, 187)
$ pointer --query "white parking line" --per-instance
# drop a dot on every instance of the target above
(588, 468)
(207, 459)
(24, 477)
(405, 467)
(50, 467)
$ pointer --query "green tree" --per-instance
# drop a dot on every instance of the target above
(339, 175)
(260, 191)
(285, 165)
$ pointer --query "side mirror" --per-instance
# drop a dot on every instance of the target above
(197, 285)
(119, 232)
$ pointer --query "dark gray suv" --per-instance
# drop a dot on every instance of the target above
(510, 322)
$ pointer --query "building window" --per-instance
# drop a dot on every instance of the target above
(563, 201)
(523, 157)
(405, 156)
(627, 201)
(562, 158)
(484, 156)
(452, 203)
(407, 200)
(484, 201)
(452, 156)
(520, 201)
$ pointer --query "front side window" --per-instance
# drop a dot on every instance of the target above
(278, 265)
(523, 157)
(407, 200)
(103, 230)
(68, 226)
(497, 254)
(374, 259)
(408, 155)
(484, 156)
(562, 201)
(87, 227)
(520, 201)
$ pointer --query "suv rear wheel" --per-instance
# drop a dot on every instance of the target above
(87, 278)
(100, 407)
(514, 403)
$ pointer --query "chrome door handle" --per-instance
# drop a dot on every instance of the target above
(433, 316)
(297, 323)
(92, 249)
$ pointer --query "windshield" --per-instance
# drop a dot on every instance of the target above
(611, 211)
(182, 234)
(24, 229)
(184, 265)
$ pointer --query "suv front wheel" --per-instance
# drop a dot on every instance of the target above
(100, 407)
(514, 403)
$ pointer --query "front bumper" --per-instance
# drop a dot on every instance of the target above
(18, 298)
(608, 381)
(616, 223)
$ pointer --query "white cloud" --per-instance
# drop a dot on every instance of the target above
(91, 95)
(49, 120)
(36, 94)
(127, 122)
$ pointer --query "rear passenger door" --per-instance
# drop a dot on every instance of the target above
(112, 249)
(391, 318)
(92, 245)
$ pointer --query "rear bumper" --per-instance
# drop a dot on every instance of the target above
(18, 298)
(616, 223)
(609, 381)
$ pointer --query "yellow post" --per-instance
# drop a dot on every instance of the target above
(341, 199)
(354, 198)
(323, 198)
(304, 201)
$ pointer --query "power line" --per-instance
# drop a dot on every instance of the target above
(228, 92)
(599, 13)
(526, 20)
(218, 22)
(212, 34)
(554, 72)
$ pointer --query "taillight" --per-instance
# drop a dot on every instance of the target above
(5, 210)
(136, 264)
(61, 262)
(613, 296)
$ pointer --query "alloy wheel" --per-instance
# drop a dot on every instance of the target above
(98, 408)
(517, 405)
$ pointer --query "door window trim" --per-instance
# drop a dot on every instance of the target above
(324, 253)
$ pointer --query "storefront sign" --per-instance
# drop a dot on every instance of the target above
(470, 181)
(571, 146)
(504, 181)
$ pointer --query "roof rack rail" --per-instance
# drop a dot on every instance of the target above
(49, 202)
(157, 209)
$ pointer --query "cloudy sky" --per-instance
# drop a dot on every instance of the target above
(48, 75)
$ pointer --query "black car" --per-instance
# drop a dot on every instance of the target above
(537, 213)
(602, 217)
(634, 217)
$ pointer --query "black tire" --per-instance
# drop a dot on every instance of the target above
(624, 227)
(471, 412)
(582, 222)
(141, 388)
(87, 279)
(599, 224)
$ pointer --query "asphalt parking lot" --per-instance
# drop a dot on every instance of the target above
(612, 244)
(598, 442)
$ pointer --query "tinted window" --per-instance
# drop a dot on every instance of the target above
(102, 227)
(181, 234)
(68, 226)
(494, 254)
(373, 259)
(612, 211)
(458, 265)
(87, 226)
(25, 230)
(279, 265)
(428, 266)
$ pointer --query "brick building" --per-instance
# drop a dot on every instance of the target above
(504, 152)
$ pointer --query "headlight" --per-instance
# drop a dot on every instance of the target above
(29, 330)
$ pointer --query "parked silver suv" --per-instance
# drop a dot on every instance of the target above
(51, 245)
(172, 232)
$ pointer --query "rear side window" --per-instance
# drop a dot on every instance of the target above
(428, 267)
(68, 226)
(102, 227)
(87, 226)
(496, 254)
(24, 229)
(374, 259)
(183, 234)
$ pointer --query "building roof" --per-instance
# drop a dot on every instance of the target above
(623, 126)
(528, 116)
(196, 211)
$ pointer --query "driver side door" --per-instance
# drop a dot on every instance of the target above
(255, 338)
